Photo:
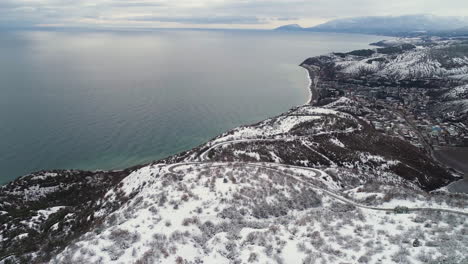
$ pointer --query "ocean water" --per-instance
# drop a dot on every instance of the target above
(110, 100)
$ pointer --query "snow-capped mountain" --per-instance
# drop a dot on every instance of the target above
(396, 24)
(390, 25)
(454, 103)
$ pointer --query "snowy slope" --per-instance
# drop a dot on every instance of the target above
(234, 200)
(457, 93)
(427, 63)
(238, 214)
(308, 136)
(420, 63)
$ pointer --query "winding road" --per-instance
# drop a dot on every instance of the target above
(422, 138)
(276, 167)
(204, 161)
(204, 156)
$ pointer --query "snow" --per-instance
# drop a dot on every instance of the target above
(233, 212)
(41, 216)
(256, 156)
(461, 77)
(52, 210)
(35, 192)
(401, 41)
(167, 219)
(282, 125)
(420, 203)
(457, 92)
(44, 175)
(337, 142)
(318, 111)
(418, 63)
(275, 157)
(22, 236)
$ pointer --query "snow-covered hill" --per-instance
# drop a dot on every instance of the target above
(435, 63)
(457, 93)
(411, 63)
(326, 137)
(317, 184)
(276, 191)
(237, 213)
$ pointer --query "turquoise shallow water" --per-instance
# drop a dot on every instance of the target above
(109, 100)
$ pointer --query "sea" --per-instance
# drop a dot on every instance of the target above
(111, 99)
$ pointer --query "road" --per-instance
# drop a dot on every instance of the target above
(204, 156)
(206, 163)
(425, 142)
(173, 168)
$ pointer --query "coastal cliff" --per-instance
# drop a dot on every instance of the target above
(321, 182)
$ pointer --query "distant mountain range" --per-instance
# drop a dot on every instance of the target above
(291, 27)
(389, 25)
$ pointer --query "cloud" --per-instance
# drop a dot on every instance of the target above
(203, 20)
(209, 13)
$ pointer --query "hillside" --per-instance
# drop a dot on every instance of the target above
(320, 183)
(436, 68)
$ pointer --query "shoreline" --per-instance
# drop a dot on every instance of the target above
(313, 82)
(313, 97)
(457, 159)
(456, 155)
(309, 87)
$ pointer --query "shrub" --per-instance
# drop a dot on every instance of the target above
(252, 257)
(179, 260)
(401, 210)
(401, 256)
(190, 220)
(363, 259)
(185, 197)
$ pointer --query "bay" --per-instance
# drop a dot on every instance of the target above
(114, 99)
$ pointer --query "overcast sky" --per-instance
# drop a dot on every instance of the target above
(209, 13)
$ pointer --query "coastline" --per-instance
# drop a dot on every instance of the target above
(313, 82)
(309, 87)
(456, 158)
(313, 97)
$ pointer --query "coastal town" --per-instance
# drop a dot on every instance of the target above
(429, 112)
(404, 112)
